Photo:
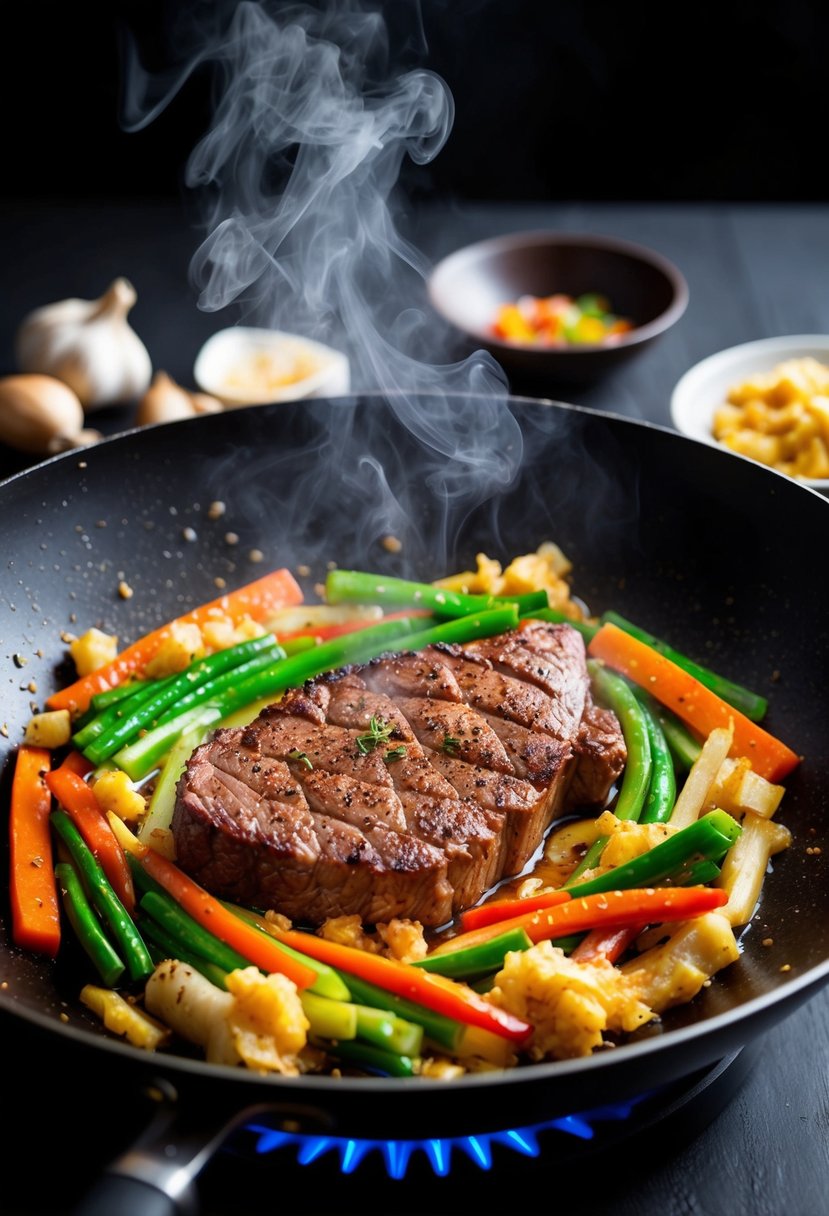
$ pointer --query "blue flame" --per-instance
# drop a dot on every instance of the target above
(397, 1154)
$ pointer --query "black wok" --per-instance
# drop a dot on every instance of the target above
(713, 552)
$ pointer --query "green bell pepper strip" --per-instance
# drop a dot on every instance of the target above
(186, 689)
(709, 838)
(749, 703)
(361, 587)
(102, 896)
(472, 961)
(616, 693)
(86, 926)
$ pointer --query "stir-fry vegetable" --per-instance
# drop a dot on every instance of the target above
(680, 850)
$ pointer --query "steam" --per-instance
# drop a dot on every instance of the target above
(298, 177)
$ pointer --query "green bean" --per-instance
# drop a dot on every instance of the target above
(750, 703)
(371, 1059)
(163, 946)
(615, 692)
(190, 687)
(591, 858)
(661, 796)
(114, 714)
(466, 628)
(213, 688)
(86, 925)
(104, 898)
(357, 586)
(181, 927)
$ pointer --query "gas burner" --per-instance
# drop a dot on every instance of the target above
(697, 1098)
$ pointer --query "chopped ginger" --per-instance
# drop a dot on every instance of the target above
(182, 644)
(267, 1022)
(544, 570)
(116, 792)
(404, 939)
(124, 1018)
(674, 972)
(92, 650)
(51, 729)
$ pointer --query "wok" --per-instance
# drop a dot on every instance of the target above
(713, 552)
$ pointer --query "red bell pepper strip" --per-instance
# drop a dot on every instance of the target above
(697, 706)
(435, 992)
(35, 904)
(607, 944)
(636, 906)
(275, 590)
(211, 914)
(504, 909)
(79, 801)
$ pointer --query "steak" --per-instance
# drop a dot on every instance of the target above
(407, 786)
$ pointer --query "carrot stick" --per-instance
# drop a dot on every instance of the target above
(83, 808)
(211, 914)
(33, 890)
(433, 991)
(257, 600)
(636, 906)
(690, 700)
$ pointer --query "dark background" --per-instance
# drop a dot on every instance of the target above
(555, 99)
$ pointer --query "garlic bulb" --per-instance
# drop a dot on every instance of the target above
(166, 401)
(41, 415)
(89, 345)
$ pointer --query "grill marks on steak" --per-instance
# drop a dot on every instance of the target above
(486, 745)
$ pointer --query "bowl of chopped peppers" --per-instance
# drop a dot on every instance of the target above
(558, 309)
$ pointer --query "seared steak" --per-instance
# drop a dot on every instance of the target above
(404, 787)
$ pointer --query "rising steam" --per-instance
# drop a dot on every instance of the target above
(297, 175)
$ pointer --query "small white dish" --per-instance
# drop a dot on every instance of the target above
(699, 392)
(244, 365)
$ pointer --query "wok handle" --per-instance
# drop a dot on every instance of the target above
(129, 1197)
(157, 1175)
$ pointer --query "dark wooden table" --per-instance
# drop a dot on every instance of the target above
(753, 271)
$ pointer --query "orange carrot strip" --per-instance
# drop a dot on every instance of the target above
(504, 909)
(433, 991)
(690, 700)
(35, 905)
(608, 944)
(83, 808)
(637, 906)
(277, 589)
(211, 914)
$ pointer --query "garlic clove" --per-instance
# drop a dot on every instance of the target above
(89, 345)
(39, 414)
(167, 401)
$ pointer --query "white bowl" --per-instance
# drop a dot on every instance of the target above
(703, 387)
(244, 365)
